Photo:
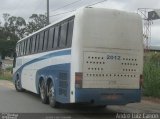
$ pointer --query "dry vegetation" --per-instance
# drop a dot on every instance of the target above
(6, 75)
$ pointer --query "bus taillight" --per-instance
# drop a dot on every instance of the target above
(141, 81)
(78, 79)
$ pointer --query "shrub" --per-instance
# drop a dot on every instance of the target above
(152, 76)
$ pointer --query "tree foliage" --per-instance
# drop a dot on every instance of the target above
(14, 25)
(15, 28)
(35, 23)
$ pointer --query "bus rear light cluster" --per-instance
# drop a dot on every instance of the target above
(78, 79)
(141, 81)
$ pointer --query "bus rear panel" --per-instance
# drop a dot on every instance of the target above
(110, 57)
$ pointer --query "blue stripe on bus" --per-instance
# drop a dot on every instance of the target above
(51, 55)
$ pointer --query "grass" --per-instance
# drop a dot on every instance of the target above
(6, 75)
(152, 75)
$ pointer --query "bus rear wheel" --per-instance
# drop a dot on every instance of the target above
(43, 92)
(18, 85)
(52, 101)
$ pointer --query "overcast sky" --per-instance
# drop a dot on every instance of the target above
(26, 8)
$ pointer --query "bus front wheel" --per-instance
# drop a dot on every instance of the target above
(43, 92)
(18, 85)
(52, 100)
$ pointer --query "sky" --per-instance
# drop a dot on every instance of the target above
(26, 8)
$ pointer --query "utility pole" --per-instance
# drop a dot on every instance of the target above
(48, 12)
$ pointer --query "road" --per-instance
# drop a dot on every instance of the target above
(26, 102)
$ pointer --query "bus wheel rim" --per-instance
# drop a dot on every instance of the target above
(18, 84)
(42, 91)
(51, 94)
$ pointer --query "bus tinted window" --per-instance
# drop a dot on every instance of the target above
(45, 45)
(28, 43)
(17, 49)
(24, 50)
(63, 35)
(56, 37)
(37, 43)
(33, 44)
(41, 41)
(70, 33)
(51, 38)
(22, 47)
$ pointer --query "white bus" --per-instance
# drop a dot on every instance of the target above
(93, 56)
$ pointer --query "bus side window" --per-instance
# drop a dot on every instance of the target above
(33, 44)
(17, 49)
(24, 43)
(63, 35)
(22, 47)
(25, 47)
(41, 41)
(25, 51)
(37, 43)
(59, 34)
(45, 45)
(70, 33)
(51, 38)
(30, 45)
(56, 37)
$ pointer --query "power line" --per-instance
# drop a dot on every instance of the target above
(36, 9)
(66, 5)
(74, 9)
(97, 3)
(62, 13)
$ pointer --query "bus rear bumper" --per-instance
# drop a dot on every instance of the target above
(107, 96)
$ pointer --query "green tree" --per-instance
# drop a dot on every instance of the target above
(14, 25)
(36, 22)
(15, 28)
(7, 43)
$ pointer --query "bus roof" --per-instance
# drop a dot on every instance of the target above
(59, 20)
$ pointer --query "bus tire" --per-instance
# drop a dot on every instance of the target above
(18, 85)
(51, 93)
(43, 92)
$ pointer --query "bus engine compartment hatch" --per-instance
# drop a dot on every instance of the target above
(110, 70)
